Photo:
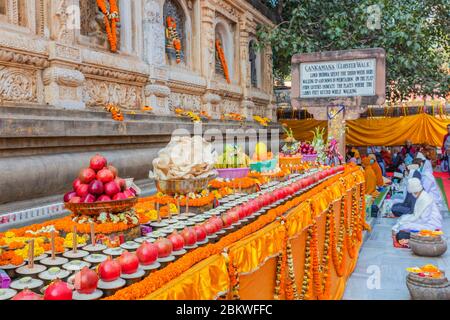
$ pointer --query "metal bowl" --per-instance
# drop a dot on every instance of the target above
(183, 186)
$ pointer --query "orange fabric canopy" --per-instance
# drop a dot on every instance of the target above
(419, 128)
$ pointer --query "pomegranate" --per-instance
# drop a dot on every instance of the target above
(128, 193)
(113, 170)
(109, 270)
(69, 195)
(96, 187)
(105, 175)
(177, 241)
(129, 262)
(112, 188)
(234, 215)
(98, 162)
(76, 183)
(165, 247)
(27, 294)
(103, 198)
(86, 281)
(227, 221)
(210, 228)
(82, 190)
(75, 200)
(86, 175)
(119, 196)
(190, 236)
(147, 253)
(201, 232)
(121, 182)
(58, 290)
(218, 222)
(88, 199)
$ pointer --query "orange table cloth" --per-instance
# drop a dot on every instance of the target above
(305, 249)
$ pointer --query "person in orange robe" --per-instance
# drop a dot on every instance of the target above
(371, 178)
(376, 168)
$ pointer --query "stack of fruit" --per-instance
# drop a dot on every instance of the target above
(233, 163)
(99, 182)
(262, 160)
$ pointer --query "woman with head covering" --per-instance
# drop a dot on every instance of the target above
(429, 182)
(376, 168)
(407, 206)
(371, 179)
(426, 214)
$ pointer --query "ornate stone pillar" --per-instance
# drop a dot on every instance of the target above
(211, 103)
(245, 26)
(62, 83)
(156, 92)
(207, 41)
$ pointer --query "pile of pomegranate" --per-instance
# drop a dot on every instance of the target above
(99, 182)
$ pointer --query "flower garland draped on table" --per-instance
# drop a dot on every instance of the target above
(269, 237)
(111, 19)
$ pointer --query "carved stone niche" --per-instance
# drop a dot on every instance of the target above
(157, 97)
(63, 87)
(17, 85)
(211, 103)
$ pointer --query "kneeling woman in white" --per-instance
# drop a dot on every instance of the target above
(426, 214)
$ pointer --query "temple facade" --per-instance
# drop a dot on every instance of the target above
(63, 61)
(58, 53)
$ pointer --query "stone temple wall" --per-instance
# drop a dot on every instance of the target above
(57, 73)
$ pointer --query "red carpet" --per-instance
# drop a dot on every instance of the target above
(443, 180)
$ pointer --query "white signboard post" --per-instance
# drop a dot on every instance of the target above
(338, 78)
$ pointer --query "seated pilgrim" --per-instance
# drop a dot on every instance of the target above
(407, 206)
(377, 169)
(426, 214)
(429, 181)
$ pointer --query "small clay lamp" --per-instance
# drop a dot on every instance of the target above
(52, 274)
(130, 246)
(75, 253)
(76, 265)
(54, 260)
(7, 294)
(133, 277)
(31, 269)
(94, 247)
(115, 252)
(95, 258)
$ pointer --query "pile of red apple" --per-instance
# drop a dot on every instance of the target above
(306, 148)
(98, 183)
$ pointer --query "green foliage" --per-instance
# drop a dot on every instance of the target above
(414, 33)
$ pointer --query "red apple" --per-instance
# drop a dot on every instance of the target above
(96, 187)
(112, 188)
(177, 241)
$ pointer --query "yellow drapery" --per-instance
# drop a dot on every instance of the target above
(419, 128)
(255, 256)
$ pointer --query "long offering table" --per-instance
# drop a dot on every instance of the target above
(304, 248)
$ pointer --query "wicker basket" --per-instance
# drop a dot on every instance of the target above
(94, 209)
(421, 288)
(427, 246)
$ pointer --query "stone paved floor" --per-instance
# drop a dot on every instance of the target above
(379, 260)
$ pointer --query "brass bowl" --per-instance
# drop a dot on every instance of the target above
(183, 186)
(95, 208)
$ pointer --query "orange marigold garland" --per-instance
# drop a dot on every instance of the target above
(222, 59)
(173, 38)
(307, 268)
(110, 18)
(115, 111)
(338, 247)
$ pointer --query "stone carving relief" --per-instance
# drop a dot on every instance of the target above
(62, 76)
(154, 39)
(100, 93)
(23, 58)
(17, 84)
(228, 106)
(64, 34)
(185, 101)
